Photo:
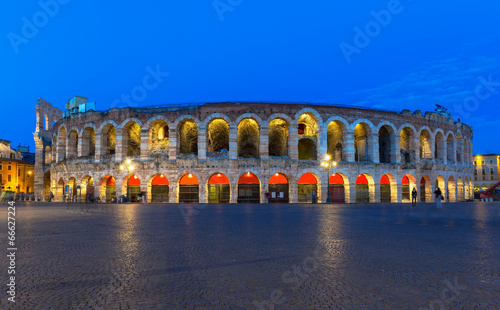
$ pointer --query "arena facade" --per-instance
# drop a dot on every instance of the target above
(239, 152)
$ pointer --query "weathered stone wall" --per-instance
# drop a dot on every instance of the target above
(263, 139)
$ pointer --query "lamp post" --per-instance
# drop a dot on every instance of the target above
(127, 168)
(328, 163)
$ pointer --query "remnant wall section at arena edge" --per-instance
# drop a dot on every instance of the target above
(238, 152)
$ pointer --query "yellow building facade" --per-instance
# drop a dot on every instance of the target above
(16, 174)
(487, 172)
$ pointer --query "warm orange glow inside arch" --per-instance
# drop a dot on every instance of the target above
(362, 179)
(278, 178)
(218, 179)
(110, 181)
(384, 180)
(160, 180)
(248, 178)
(308, 178)
(336, 179)
(134, 180)
(188, 179)
(406, 181)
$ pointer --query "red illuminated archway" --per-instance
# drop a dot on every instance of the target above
(278, 189)
(189, 189)
(337, 188)
(385, 189)
(307, 188)
(248, 188)
(159, 189)
(218, 189)
(362, 189)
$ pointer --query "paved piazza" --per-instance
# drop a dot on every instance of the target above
(255, 256)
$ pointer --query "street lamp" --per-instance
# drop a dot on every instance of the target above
(127, 168)
(328, 163)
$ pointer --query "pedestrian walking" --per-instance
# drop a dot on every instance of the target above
(268, 195)
(439, 197)
(414, 197)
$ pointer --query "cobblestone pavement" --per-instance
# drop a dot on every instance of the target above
(106, 256)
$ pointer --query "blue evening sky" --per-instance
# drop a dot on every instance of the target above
(411, 54)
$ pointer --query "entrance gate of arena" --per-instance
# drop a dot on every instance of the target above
(405, 189)
(159, 189)
(278, 187)
(218, 189)
(385, 189)
(189, 189)
(362, 190)
(307, 188)
(110, 189)
(134, 188)
(337, 188)
(248, 189)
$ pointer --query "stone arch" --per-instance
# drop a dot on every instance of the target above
(130, 131)
(108, 137)
(441, 184)
(88, 193)
(188, 188)
(407, 143)
(337, 129)
(187, 129)
(388, 188)
(279, 184)
(339, 188)
(425, 143)
(460, 189)
(317, 116)
(131, 186)
(61, 144)
(450, 148)
(439, 146)
(408, 183)
(158, 188)
(308, 185)
(362, 134)
(214, 116)
(365, 188)
(217, 135)
(387, 142)
(155, 119)
(278, 137)
(426, 189)
(108, 188)
(158, 134)
(126, 123)
(249, 187)
(60, 190)
(88, 140)
(248, 138)
(253, 116)
(72, 143)
(218, 187)
(451, 193)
